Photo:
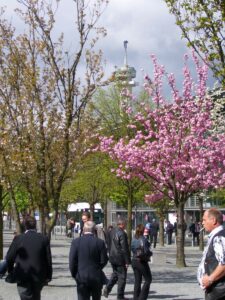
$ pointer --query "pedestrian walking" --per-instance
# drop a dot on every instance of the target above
(29, 261)
(84, 218)
(154, 232)
(147, 233)
(211, 270)
(195, 230)
(87, 258)
(140, 248)
(119, 257)
(107, 237)
(70, 226)
(169, 232)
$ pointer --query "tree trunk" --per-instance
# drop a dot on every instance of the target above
(1, 222)
(41, 214)
(105, 210)
(180, 259)
(161, 231)
(15, 212)
(92, 208)
(129, 219)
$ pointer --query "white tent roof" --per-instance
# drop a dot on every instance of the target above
(82, 206)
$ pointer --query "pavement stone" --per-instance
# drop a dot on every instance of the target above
(169, 282)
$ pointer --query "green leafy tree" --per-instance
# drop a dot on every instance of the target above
(109, 111)
(45, 98)
(202, 23)
(161, 209)
(93, 181)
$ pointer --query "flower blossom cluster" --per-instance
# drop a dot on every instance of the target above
(175, 148)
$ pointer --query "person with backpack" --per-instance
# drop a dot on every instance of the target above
(140, 248)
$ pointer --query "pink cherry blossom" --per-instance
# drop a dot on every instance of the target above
(174, 146)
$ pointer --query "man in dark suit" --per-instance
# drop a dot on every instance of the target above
(87, 258)
(29, 259)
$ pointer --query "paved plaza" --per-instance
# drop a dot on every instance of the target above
(169, 282)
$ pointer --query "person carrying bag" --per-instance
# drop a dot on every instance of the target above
(140, 248)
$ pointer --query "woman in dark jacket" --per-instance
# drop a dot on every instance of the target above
(140, 264)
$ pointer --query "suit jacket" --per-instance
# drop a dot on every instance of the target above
(87, 258)
(29, 257)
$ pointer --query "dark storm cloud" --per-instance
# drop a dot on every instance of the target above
(146, 24)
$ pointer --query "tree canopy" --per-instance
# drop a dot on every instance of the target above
(43, 96)
(173, 146)
(202, 23)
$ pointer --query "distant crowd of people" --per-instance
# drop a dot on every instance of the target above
(29, 260)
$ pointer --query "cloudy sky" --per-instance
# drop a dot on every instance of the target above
(146, 24)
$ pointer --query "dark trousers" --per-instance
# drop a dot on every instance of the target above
(85, 291)
(195, 236)
(207, 297)
(153, 239)
(29, 290)
(169, 237)
(141, 269)
(119, 275)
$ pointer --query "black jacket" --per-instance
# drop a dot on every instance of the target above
(137, 244)
(119, 253)
(87, 258)
(31, 254)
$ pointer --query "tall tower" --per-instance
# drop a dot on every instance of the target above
(124, 76)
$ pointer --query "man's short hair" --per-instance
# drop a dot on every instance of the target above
(30, 223)
(121, 221)
(89, 227)
(214, 212)
(87, 214)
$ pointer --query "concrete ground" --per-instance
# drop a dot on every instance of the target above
(169, 282)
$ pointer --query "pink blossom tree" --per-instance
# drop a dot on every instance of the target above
(174, 147)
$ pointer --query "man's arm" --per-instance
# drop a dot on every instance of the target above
(208, 280)
(125, 247)
(219, 272)
(73, 258)
(103, 255)
(11, 254)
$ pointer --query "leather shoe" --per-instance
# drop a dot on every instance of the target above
(105, 293)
